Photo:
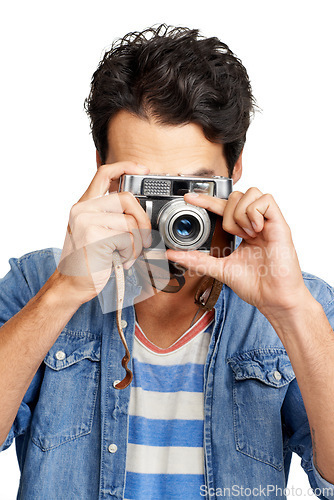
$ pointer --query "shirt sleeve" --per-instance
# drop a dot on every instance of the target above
(15, 293)
(325, 486)
(296, 430)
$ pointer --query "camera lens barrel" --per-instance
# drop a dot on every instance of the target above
(183, 226)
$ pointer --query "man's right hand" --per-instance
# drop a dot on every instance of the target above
(100, 223)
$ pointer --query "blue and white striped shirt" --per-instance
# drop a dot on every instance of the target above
(165, 457)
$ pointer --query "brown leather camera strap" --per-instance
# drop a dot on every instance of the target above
(120, 285)
(208, 292)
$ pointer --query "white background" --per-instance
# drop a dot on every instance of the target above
(49, 51)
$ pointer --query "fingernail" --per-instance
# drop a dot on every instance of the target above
(148, 241)
(192, 194)
(142, 166)
(249, 232)
(128, 264)
(254, 225)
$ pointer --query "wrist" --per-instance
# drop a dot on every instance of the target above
(60, 290)
(290, 315)
(306, 334)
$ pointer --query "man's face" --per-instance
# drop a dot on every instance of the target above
(164, 149)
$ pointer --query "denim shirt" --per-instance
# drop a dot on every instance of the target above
(71, 427)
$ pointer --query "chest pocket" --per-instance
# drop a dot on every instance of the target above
(260, 380)
(68, 393)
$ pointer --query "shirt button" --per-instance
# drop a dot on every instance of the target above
(60, 355)
(112, 448)
(130, 271)
(124, 323)
(115, 382)
(277, 375)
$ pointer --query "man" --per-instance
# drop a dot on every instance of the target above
(219, 399)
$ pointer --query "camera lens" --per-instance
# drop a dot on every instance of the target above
(186, 227)
(183, 226)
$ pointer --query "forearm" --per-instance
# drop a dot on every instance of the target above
(25, 340)
(309, 341)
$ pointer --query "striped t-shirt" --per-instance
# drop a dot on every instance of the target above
(165, 457)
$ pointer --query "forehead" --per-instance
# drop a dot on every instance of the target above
(163, 148)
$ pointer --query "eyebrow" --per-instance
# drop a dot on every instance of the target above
(205, 172)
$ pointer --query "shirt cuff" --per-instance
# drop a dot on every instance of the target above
(326, 487)
(8, 441)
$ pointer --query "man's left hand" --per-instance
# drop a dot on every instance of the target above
(264, 269)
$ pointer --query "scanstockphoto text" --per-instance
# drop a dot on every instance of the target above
(263, 491)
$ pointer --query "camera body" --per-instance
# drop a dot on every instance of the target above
(175, 223)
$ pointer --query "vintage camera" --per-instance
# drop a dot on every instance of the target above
(175, 223)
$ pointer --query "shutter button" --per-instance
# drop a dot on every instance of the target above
(277, 375)
(112, 448)
(60, 355)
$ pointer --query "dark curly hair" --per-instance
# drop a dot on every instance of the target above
(176, 76)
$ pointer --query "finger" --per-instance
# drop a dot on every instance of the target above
(122, 224)
(99, 251)
(241, 210)
(264, 208)
(129, 223)
(95, 254)
(123, 202)
(112, 221)
(110, 172)
(214, 204)
(229, 223)
(199, 262)
(131, 206)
